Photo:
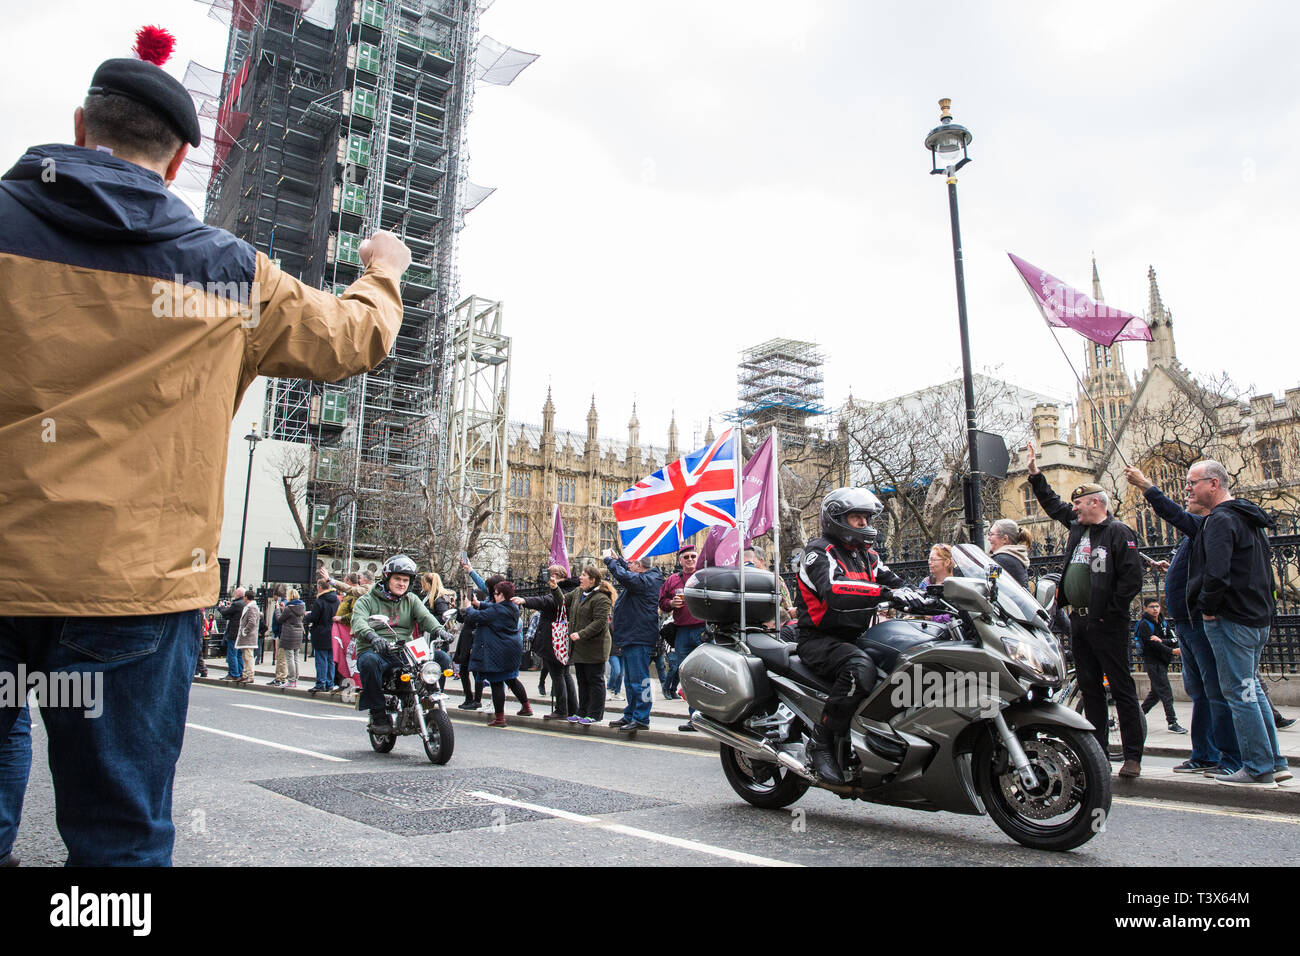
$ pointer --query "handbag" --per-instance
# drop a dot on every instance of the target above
(560, 637)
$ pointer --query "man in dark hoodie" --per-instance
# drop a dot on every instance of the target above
(135, 331)
(1214, 741)
(1230, 586)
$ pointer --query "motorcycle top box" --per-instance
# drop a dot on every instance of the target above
(713, 595)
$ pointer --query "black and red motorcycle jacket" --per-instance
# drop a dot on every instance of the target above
(839, 588)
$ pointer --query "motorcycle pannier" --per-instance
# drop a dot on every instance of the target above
(724, 683)
(713, 595)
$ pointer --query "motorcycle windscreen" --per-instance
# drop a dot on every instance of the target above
(971, 562)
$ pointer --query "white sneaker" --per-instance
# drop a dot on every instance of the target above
(1244, 778)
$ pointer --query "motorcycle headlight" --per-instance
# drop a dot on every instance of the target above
(1039, 657)
(430, 672)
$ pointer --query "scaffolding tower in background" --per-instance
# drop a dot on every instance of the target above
(478, 469)
(780, 385)
(329, 120)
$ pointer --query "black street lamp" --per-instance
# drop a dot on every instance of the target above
(947, 144)
(252, 438)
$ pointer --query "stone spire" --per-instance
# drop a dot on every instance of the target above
(633, 437)
(1103, 400)
(547, 444)
(708, 435)
(1160, 350)
(672, 438)
(592, 448)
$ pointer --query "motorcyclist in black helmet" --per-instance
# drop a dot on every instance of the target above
(841, 581)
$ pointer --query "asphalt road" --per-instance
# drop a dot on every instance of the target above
(265, 780)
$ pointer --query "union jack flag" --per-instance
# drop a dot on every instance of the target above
(660, 512)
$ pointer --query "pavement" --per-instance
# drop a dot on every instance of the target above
(1163, 748)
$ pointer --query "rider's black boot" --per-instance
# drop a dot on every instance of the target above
(821, 751)
(380, 722)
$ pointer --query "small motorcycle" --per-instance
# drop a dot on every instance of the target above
(962, 719)
(414, 699)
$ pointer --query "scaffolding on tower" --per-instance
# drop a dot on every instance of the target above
(781, 385)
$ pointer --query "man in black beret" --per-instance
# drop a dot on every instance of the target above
(1101, 577)
(143, 111)
(136, 330)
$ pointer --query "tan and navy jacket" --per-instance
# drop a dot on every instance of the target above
(130, 331)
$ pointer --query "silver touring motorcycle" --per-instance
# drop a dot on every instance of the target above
(960, 720)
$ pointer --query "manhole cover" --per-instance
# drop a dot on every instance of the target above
(439, 801)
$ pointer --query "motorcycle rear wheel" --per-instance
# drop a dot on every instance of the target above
(382, 743)
(781, 788)
(1072, 801)
(442, 738)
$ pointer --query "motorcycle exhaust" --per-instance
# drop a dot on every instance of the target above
(750, 746)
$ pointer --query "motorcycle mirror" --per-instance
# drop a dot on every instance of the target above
(1045, 592)
(968, 593)
(379, 619)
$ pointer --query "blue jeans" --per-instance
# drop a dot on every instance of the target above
(688, 638)
(112, 757)
(615, 674)
(371, 666)
(662, 670)
(1214, 740)
(1237, 652)
(15, 765)
(324, 658)
(636, 668)
(234, 663)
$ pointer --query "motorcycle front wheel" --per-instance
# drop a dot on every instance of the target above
(1071, 800)
(442, 739)
(762, 784)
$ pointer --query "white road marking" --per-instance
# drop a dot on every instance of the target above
(734, 855)
(1262, 816)
(294, 713)
(267, 743)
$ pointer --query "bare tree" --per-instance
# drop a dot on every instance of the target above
(1184, 428)
(913, 452)
(810, 466)
(330, 471)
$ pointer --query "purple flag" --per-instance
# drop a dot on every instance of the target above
(559, 553)
(758, 487)
(1068, 308)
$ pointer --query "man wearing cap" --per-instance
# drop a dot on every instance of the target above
(136, 329)
(1101, 577)
(688, 630)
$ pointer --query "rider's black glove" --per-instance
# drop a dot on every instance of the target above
(383, 645)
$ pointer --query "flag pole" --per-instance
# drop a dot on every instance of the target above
(776, 526)
(1084, 389)
(738, 447)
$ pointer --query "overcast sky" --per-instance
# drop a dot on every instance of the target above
(679, 180)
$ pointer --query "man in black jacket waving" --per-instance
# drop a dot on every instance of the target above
(1101, 577)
